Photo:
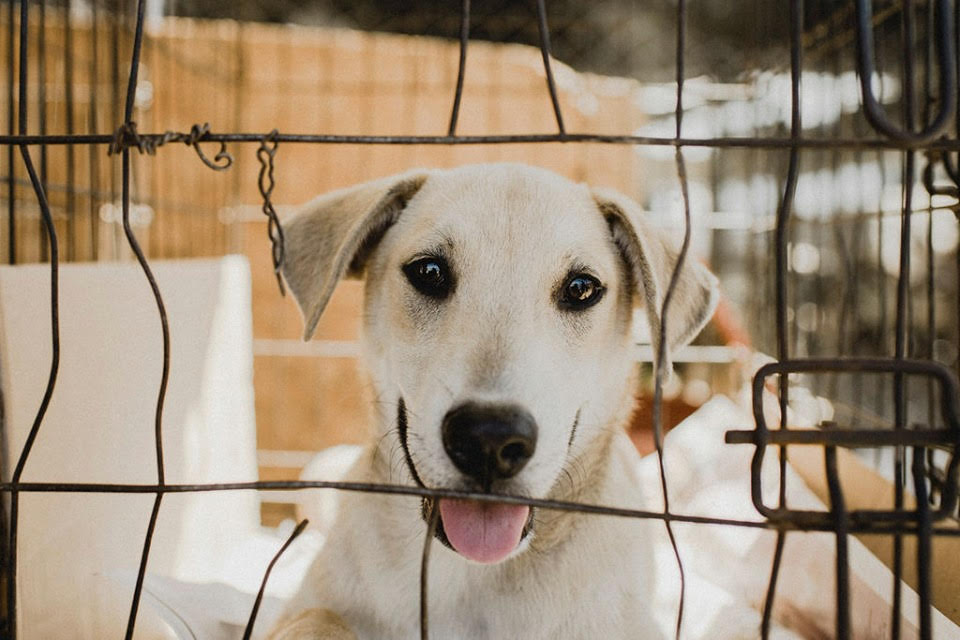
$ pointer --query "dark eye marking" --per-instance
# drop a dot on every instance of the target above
(431, 276)
(580, 291)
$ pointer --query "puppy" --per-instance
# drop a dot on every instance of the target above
(497, 331)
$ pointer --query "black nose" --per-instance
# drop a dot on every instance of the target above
(489, 442)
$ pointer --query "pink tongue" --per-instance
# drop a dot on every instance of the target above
(483, 531)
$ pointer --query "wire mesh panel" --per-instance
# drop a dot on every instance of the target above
(901, 125)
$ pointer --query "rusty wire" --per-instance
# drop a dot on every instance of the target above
(719, 142)
(127, 137)
(265, 182)
(47, 221)
(251, 621)
(781, 243)
(660, 372)
(911, 136)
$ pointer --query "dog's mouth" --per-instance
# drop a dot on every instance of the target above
(484, 532)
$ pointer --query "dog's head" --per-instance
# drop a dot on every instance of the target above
(498, 316)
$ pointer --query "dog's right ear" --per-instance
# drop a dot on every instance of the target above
(652, 259)
(332, 236)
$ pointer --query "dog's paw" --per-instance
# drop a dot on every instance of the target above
(313, 624)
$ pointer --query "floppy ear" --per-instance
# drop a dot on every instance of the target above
(652, 258)
(332, 236)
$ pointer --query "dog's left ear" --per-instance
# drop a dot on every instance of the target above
(332, 236)
(652, 258)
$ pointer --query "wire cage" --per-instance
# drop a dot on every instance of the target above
(884, 350)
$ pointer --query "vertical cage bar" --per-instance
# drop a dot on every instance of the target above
(11, 128)
(71, 203)
(54, 328)
(660, 372)
(461, 69)
(248, 631)
(115, 113)
(129, 127)
(903, 293)
(928, 99)
(924, 551)
(545, 53)
(93, 125)
(47, 395)
(841, 521)
(424, 566)
(881, 389)
(42, 109)
(781, 236)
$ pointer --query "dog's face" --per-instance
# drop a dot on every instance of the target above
(498, 311)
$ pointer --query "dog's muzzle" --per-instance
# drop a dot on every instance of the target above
(489, 442)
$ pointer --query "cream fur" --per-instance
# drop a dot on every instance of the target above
(510, 233)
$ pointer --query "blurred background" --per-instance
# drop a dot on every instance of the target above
(372, 67)
(389, 68)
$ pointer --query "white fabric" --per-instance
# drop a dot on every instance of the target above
(100, 428)
(727, 568)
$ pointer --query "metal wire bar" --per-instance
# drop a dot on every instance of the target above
(924, 556)
(70, 127)
(850, 437)
(42, 107)
(142, 570)
(115, 114)
(948, 162)
(424, 564)
(902, 328)
(248, 631)
(866, 69)
(660, 371)
(781, 239)
(801, 523)
(47, 394)
(949, 407)
(721, 142)
(545, 53)
(54, 329)
(265, 182)
(11, 127)
(462, 68)
(930, 263)
(93, 126)
(841, 517)
(768, 600)
(161, 310)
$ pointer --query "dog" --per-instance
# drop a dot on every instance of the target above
(498, 321)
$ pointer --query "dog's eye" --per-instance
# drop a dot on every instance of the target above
(581, 291)
(430, 276)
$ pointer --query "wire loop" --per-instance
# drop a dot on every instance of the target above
(866, 69)
(127, 137)
(265, 182)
